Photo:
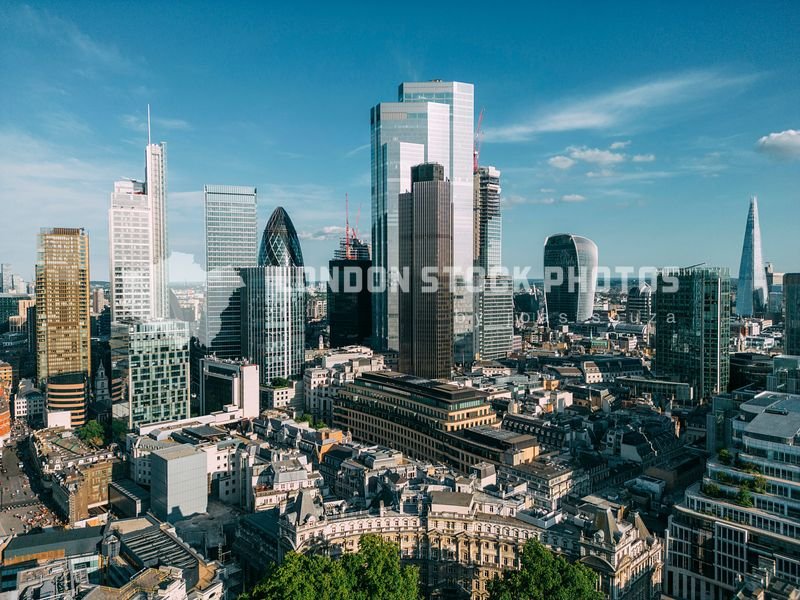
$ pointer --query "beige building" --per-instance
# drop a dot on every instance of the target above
(63, 344)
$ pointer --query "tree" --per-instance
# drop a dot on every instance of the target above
(92, 433)
(118, 430)
(759, 484)
(725, 456)
(374, 572)
(744, 497)
(545, 576)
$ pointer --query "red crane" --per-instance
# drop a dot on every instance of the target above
(477, 148)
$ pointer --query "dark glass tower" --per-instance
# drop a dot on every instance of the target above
(426, 253)
(570, 278)
(693, 308)
(791, 294)
(349, 297)
(280, 246)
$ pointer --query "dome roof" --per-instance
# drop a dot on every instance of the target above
(280, 246)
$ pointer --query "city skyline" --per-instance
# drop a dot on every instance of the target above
(673, 142)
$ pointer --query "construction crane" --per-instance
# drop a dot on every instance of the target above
(477, 147)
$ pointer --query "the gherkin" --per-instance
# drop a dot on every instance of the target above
(280, 246)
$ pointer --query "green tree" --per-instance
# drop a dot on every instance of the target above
(545, 576)
(725, 456)
(374, 572)
(744, 497)
(92, 433)
(118, 430)
(759, 484)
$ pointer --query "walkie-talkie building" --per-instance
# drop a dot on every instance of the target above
(570, 278)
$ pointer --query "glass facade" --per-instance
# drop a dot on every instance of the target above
(570, 271)
(752, 292)
(231, 243)
(280, 246)
(156, 188)
(692, 328)
(152, 359)
(791, 294)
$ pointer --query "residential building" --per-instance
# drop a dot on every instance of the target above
(693, 308)
(231, 244)
(426, 254)
(570, 278)
(63, 339)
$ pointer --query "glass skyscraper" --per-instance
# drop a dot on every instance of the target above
(791, 295)
(152, 360)
(752, 292)
(433, 121)
(273, 303)
(231, 243)
(156, 188)
(494, 327)
(693, 308)
(570, 278)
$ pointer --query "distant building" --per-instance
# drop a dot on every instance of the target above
(570, 278)
(426, 253)
(179, 485)
(63, 337)
(693, 309)
(152, 359)
(231, 243)
(639, 306)
(752, 294)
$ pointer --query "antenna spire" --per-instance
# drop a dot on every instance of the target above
(148, 124)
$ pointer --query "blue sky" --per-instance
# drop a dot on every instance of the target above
(644, 126)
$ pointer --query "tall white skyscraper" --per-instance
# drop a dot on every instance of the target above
(156, 188)
(431, 122)
(138, 245)
(231, 244)
(752, 291)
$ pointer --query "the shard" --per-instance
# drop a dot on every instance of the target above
(752, 292)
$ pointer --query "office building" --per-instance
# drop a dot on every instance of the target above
(431, 122)
(349, 302)
(791, 295)
(225, 382)
(179, 482)
(428, 420)
(156, 189)
(231, 243)
(752, 293)
(152, 360)
(639, 306)
(570, 278)
(273, 303)
(743, 517)
(692, 328)
(130, 222)
(63, 343)
(494, 321)
(426, 255)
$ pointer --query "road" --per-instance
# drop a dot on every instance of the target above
(18, 502)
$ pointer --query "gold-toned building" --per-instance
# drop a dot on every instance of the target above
(63, 336)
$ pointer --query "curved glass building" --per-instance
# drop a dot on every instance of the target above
(280, 246)
(570, 278)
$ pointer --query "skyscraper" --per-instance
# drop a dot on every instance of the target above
(426, 253)
(639, 307)
(570, 278)
(63, 339)
(349, 298)
(494, 326)
(156, 188)
(692, 328)
(752, 293)
(432, 122)
(152, 359)
(130, 233)
(273, 303)
(231, 243)
(791, 295)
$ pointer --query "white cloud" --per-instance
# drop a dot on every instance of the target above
(356, 150)
(644, 157)
(601, 173)
(561, 162)
(785, 144)
(139, 123)
(622, 105)
(331, 232)
(596, 156)
(620, 145)
(572, 198)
